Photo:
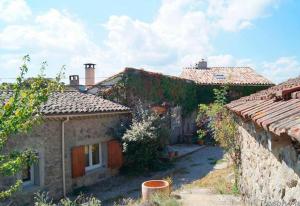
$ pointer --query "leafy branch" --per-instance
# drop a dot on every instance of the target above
(20, 109)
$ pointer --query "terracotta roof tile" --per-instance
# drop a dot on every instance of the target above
(225, 75)
(280, 111)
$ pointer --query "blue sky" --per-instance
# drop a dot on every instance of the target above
(157, 35)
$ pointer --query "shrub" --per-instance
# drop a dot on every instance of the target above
(144, 141)
(155, 200)
(42, 199)
(221, 124)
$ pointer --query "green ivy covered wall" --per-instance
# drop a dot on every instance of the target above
(155, 88)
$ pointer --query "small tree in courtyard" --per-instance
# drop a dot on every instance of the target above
(220, 122)
(19, 111)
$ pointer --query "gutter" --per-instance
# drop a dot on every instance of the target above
(63, 153)
(85, 115)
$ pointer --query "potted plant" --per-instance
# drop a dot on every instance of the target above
(201, 135)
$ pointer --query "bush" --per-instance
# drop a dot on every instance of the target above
(144, 141)
(155, 200)
(221, 124)
(42, 199)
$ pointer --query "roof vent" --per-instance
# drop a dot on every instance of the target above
(201, 65)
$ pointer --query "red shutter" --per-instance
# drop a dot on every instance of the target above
(78, 162)
(115, 155)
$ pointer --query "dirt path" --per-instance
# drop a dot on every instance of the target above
(186, 170)
(205, 197)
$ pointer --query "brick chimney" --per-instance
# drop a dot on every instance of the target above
(74, 80)
(89, 74)
(201, 65)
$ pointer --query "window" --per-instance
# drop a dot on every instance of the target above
(28, 175)
(92, 156)
(219, 76)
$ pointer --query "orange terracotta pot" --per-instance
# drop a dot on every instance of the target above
(200, 142)
(152, 187)
(172, 155)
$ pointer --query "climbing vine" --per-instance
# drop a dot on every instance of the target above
(155, 88)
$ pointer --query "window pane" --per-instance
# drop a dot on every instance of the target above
(26, 174)
(86, 154)
(95, 151)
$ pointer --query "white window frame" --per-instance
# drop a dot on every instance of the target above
(91, 166)
(31, 181)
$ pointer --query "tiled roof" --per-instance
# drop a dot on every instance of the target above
(73, 102)
(141, 71)
(276, 109)
(225, 75)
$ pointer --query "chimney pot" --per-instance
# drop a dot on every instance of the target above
(74, 80)
(89, 74)
(201, 65)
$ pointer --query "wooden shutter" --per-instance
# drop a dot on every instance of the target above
(78, 162)
(115, 155)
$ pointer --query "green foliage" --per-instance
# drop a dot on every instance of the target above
(143, 142)
(156, 88)
(155, 200)
(221, 95)
(216, 119)
(18, 113)
(201, 134)
(42, 199)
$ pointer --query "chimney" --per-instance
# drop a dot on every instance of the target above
(201, 65)
(89, 74)
(74, 80)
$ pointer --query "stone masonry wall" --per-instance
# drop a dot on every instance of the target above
(270, 168)
(45, 139)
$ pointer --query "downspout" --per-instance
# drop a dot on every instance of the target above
(63, 153)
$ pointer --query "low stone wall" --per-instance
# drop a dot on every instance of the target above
(270, 167)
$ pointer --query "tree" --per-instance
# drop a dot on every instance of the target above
(19, 111)
(217, 120)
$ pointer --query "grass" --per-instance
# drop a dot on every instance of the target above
(155, 200)
(219, 181)
(214, 161)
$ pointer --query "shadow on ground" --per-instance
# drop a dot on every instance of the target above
(186, 170)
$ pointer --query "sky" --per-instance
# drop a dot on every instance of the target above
(157, 35)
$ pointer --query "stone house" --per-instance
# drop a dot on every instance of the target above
(74, 145)
(269, 131)
(178, 97)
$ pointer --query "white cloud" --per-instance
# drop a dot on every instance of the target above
(228, 60)
(182, 31)
(55, 36)
(233, 15)
(281, 69)
(14, 10)
(180, 34)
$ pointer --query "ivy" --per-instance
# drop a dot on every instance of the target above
(154, 88)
